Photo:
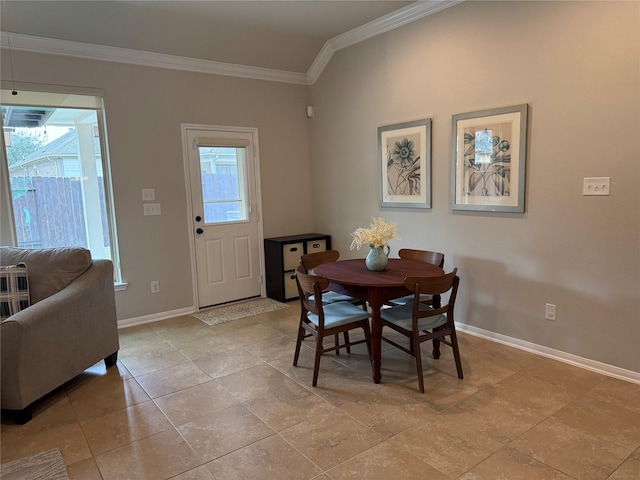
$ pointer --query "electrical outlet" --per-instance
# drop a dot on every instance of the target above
(550, 312)
(148, 194)
(155, 286)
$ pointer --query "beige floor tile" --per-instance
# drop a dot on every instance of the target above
(571, 451)
(449, 446)
(604, 420)
(441, 390)
(251, 334)
(384, 462)
(511, 464)
(181, 321)
(194, 402)
(198, 473)
(288, 406)
(341, 385)
(269, 458)
(228, 362)
(95, 396)
(172, 379)
(124, 426)
(617, 392)
(162, 356)
(84, 470)
(493, 415)
(303, 373)
(186, 333)
(509, 357)
(255, 381)
(67, 437)
(272, 348)
(330, 439)
(206, 347)
(391, 410)
(524, 391)
(137, 340)
(573, 380)
(629, 470)
(223, 432)
(157, 457)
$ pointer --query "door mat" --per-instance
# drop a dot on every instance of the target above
(47, 465)
(217, 315)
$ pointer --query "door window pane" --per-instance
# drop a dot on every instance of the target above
(222, 171)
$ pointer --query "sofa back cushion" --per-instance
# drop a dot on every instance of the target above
(50, 269)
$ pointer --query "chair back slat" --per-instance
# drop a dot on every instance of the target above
(311, 286)
(433, 286)
(312, 260)
(434, 258)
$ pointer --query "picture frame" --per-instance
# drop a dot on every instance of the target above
(404, 157)
(488, 159)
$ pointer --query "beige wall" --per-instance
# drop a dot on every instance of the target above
(577, 66)
(145, 108)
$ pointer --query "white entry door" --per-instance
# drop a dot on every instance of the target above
(223, 184)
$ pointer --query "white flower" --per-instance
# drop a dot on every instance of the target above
(377, 235)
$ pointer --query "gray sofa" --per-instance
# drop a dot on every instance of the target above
(70, 325)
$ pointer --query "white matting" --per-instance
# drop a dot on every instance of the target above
(217, 315)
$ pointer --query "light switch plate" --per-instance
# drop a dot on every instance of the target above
(596, 185)
(152, 209)
(148, 194)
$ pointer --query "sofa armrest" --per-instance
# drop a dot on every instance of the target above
(59, 337)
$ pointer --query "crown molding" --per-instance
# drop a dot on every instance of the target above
(393, 20)
(51, 46)
(104, 53)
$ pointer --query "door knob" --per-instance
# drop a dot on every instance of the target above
(198, 218)
(199, 231)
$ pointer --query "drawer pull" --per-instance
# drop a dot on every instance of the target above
(316, 245)
(294, 249)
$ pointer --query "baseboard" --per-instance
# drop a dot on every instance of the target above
(155, 317)
(594, 366)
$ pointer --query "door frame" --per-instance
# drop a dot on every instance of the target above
(256, 203)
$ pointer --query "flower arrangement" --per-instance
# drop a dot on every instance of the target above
(377, 235)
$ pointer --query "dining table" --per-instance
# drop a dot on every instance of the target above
(353, 278)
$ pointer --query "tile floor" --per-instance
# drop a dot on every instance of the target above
(192, 402)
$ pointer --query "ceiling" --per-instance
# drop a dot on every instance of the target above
(280, 35)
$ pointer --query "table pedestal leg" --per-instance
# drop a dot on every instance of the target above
(376, 338)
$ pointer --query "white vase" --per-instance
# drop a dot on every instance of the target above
(377, 258)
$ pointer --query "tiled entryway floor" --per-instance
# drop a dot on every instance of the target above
(190, 401)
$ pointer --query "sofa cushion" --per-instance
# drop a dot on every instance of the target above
(50, 269)
(14, 290)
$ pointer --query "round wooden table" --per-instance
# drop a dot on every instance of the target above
(352, 277)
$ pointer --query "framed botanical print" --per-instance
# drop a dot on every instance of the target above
(488, 150)
(404, 155)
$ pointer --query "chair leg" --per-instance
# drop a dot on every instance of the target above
(337, 340)
(346, 341)
(316, 364)
(367, 338)
(456, 353)
(436, 348)
(298, 344)
(418, 357)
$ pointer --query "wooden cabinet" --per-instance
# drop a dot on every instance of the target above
(282, 256)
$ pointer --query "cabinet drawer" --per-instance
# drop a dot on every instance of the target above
(319, 245)
(290, 287)
(291, 253)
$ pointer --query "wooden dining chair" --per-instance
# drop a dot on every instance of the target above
(420, 322)
(321, 320)
(312, 260)
(434, 258)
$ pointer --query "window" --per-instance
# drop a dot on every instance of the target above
(223, 183)
(57, 161)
